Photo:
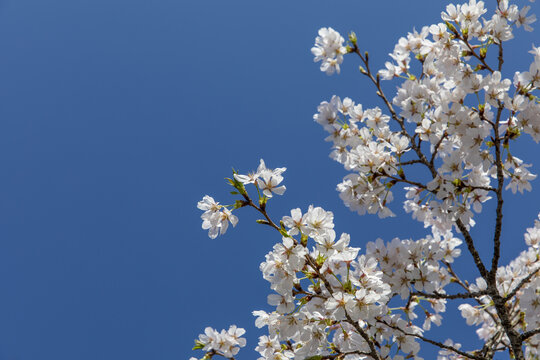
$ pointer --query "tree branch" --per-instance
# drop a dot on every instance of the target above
(469, 295)
(500, 201)
(433, 342)
(472, 250)
(529, 334)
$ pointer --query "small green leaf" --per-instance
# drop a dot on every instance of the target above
(352, 38)
(347, 286)
(320, 260)
(479, 67)
(303, 239)
(483, 52)
(198, 345)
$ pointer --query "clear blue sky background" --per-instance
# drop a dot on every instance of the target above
(117, 116)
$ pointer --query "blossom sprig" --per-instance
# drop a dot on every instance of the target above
(265, 179)
(216, 217)
(225, 343)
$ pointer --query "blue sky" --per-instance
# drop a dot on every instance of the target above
(117, 116)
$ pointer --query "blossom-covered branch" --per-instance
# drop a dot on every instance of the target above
(456, 117)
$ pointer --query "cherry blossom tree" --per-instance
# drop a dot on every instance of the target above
(446, 140)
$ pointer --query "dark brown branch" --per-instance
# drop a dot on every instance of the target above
(410, 162)
(433, 342)
(501, 59)
(417, 184)
(262, 210)
(436, 150)
(472, 250)
(514, 337)
(500, 201)
(472, 52)
(469, 295)
(529, 334)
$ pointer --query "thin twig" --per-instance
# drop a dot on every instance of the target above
(436, 295)
(433, 342)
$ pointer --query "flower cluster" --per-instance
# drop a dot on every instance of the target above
(329, 50)
(372, 151)
(216, 217)
(266, 179)
(346, 296)
(226, 343)
(434, 110)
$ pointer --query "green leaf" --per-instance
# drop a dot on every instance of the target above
(198, 345)
(479, 67)
(483, 52)
(320, 259)
(450, 27)
(303, 239)
(348, 286)
(352, 38)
